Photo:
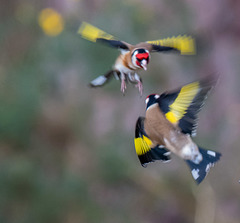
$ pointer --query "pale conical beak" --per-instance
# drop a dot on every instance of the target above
(144, 64)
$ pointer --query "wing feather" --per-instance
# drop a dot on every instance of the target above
(184, 99)
(182, 106)
(144, 147)
(184, 44)
(94, 34)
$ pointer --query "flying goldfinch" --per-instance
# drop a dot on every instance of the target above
(133, 57)
(171, 120)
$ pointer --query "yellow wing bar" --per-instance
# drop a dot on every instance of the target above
(92, 33)
(142, 145)
(184, 99)
(185, 44)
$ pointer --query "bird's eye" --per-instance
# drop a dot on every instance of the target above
(147, 100)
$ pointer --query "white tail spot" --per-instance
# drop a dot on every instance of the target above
(195, 173)
(211, 153)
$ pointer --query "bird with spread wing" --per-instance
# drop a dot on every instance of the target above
(171, 120)
(133, 57)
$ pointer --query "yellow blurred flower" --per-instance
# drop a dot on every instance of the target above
(51, 22)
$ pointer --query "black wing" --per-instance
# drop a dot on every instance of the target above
(93, 34)
(184, 44)
(143, 146)
(159, 48)
(114, 43)
(182, 106)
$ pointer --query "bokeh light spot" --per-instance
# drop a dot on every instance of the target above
(51, 22)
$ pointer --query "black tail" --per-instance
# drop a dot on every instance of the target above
(101, 80)
(199, 171)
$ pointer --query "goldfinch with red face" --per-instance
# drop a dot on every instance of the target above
(133, 57)
(171, 120)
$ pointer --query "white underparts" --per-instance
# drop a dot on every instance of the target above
(137, 78)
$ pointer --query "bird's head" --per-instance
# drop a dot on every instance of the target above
(151, 100)
(140, 58)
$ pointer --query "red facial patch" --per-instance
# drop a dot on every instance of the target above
(138, 63)
(150, 95)
(142, 56)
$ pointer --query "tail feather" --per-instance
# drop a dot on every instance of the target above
(101, 80)
(200, 171)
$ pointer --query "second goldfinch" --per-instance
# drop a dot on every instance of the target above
(171, 120)
(133, 57)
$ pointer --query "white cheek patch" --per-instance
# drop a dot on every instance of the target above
(147, 100)
(135, 53)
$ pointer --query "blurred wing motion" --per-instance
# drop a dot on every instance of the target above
(102, 79)
(184, 44)
(94, 34)
(182, 106)
(144, 148)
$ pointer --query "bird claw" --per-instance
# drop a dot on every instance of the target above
(123, 86)
(140, 87)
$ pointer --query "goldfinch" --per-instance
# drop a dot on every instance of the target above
(133, 57)
(171, 120)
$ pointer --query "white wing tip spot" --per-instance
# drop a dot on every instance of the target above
(167, 153)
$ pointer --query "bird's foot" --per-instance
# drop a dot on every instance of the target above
(123, 86)
(140, 87)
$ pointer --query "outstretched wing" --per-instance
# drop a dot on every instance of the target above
(144, 147)
(184, 44)
(94, 34)
(182, 106)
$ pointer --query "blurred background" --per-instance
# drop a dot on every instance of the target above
(67, 152)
